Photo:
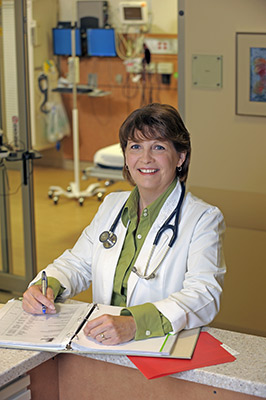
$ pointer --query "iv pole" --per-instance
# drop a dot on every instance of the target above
(75, 121)
(73, 190)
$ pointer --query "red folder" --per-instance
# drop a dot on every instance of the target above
(208, 351)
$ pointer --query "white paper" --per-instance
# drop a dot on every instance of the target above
(144, 347)
(148, 347)
(48, 330)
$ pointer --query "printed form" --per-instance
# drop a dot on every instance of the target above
(45, 330)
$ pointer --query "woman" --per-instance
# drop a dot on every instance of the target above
(177, 285)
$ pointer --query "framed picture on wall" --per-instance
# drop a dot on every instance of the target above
(251, 74)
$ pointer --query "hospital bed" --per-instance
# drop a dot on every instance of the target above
(108, 165)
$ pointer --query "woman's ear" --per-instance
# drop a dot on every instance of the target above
(182, 157)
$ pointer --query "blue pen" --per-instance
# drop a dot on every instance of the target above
(44, 289)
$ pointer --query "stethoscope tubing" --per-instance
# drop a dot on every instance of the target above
(115, 223)
(109, 238)
(166, 224)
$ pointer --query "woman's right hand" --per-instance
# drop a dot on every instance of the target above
(33, 300)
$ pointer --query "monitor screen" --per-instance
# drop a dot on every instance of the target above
(132, 13)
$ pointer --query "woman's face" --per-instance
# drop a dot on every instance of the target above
(152, 164)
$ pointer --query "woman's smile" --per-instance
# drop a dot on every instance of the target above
(152, 165)
(148, 171)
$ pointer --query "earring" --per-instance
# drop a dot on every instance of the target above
(179, 169)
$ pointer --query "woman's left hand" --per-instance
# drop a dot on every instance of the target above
(110, 329)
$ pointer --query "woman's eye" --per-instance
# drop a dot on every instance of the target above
(159, 147)
(135, 146)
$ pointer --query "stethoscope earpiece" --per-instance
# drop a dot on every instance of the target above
(108, 239)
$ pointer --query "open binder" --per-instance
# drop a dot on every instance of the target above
(63, 332)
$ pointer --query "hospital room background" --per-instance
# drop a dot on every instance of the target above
(195, 62)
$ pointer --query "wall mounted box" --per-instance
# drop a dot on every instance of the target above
(97, 9)
(62, 42)
(207, 71)
(101, 42)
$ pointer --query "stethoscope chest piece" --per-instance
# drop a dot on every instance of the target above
(108, 239)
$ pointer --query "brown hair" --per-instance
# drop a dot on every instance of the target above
(157, 121)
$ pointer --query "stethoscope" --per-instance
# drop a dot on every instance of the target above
(109, 238)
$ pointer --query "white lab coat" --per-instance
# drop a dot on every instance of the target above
(188, 285)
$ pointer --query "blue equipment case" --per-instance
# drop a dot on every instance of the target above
(62, 42)
(101, 42)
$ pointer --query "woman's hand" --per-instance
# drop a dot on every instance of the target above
(110, 329)
(33, 300)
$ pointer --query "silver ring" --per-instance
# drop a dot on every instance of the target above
(102, 335)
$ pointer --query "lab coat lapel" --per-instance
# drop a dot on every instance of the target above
(161, 247)
(110, 260)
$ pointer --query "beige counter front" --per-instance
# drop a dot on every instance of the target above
(97, 377)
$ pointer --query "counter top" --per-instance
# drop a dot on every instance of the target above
(245, 375)
(14, 363)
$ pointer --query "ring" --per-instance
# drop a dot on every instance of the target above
(102, 335)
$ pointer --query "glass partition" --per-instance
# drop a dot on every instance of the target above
(17, 233)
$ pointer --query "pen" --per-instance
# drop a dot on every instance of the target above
(44, 289)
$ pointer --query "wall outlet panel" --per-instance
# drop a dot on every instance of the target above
(166, 68)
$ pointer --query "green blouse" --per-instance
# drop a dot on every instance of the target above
(150, 322)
